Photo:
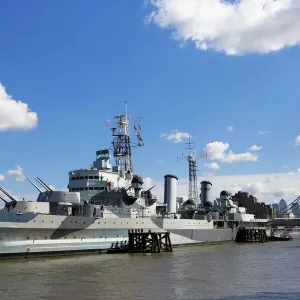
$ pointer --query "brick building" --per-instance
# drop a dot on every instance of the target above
(253, 206)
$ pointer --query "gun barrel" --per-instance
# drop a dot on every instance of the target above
(43, 184)
(150, 189)
(34, 185)
(4, 200)
(7, 194)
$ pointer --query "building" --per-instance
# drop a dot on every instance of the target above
(282, 205)
(275, 206)
(253, 206)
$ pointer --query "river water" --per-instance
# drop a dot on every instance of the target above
(229, 271)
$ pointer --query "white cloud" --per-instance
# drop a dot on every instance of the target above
(52, 187)
(286, 192)
(255, 148)
(18, 172)
(2, 177)
(220, 151)
(262, 132)
(298, 140)
(233, 27)
(213, 166)
(15, 115)
(175, 136)
(229, 128)
(262, 186)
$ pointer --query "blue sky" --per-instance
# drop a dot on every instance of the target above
(75, 63)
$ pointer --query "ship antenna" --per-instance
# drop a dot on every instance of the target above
(192, 161)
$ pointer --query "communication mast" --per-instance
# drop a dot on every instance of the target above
(122, 144)
(192, 161)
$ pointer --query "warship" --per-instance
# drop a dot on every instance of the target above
(104, 202)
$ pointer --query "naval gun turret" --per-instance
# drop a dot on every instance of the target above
(8, 204)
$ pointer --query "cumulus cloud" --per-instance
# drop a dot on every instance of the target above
(15, 115)
(253, 188)
(255, 148)
(175, 136)
(213, 166)
(297, 140)
(220, 151)
(52, 187)
(262, 186)
(2, 177)
(229, 128)
(17, 172)
(234, 27)
(285, 192)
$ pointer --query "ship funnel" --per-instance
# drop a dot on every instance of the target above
(34, 185)
(170, 193)
(205, 193)
(43, 184)
(8, 195)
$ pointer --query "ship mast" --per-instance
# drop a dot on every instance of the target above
(122, 144)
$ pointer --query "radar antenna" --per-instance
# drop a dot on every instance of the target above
(192, 160)
(122, 144)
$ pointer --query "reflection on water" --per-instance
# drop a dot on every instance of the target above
(231, 271)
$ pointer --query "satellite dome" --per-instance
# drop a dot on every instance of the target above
(208, 204)
(189, 202)
(137, 179)
(224, 193)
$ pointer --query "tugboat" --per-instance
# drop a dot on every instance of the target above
(278, 234)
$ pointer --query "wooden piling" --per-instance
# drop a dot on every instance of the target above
(151, 242)
(246, 235)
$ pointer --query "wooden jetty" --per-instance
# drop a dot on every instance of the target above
(151, 242)
(251, 235)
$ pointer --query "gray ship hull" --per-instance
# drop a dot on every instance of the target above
(30, 235)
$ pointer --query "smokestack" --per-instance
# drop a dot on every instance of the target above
(205, 192)
(170, 193)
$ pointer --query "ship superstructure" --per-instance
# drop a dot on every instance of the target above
(102, 176)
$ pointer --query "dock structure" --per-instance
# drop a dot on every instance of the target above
(148, 242)
(251, 235)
